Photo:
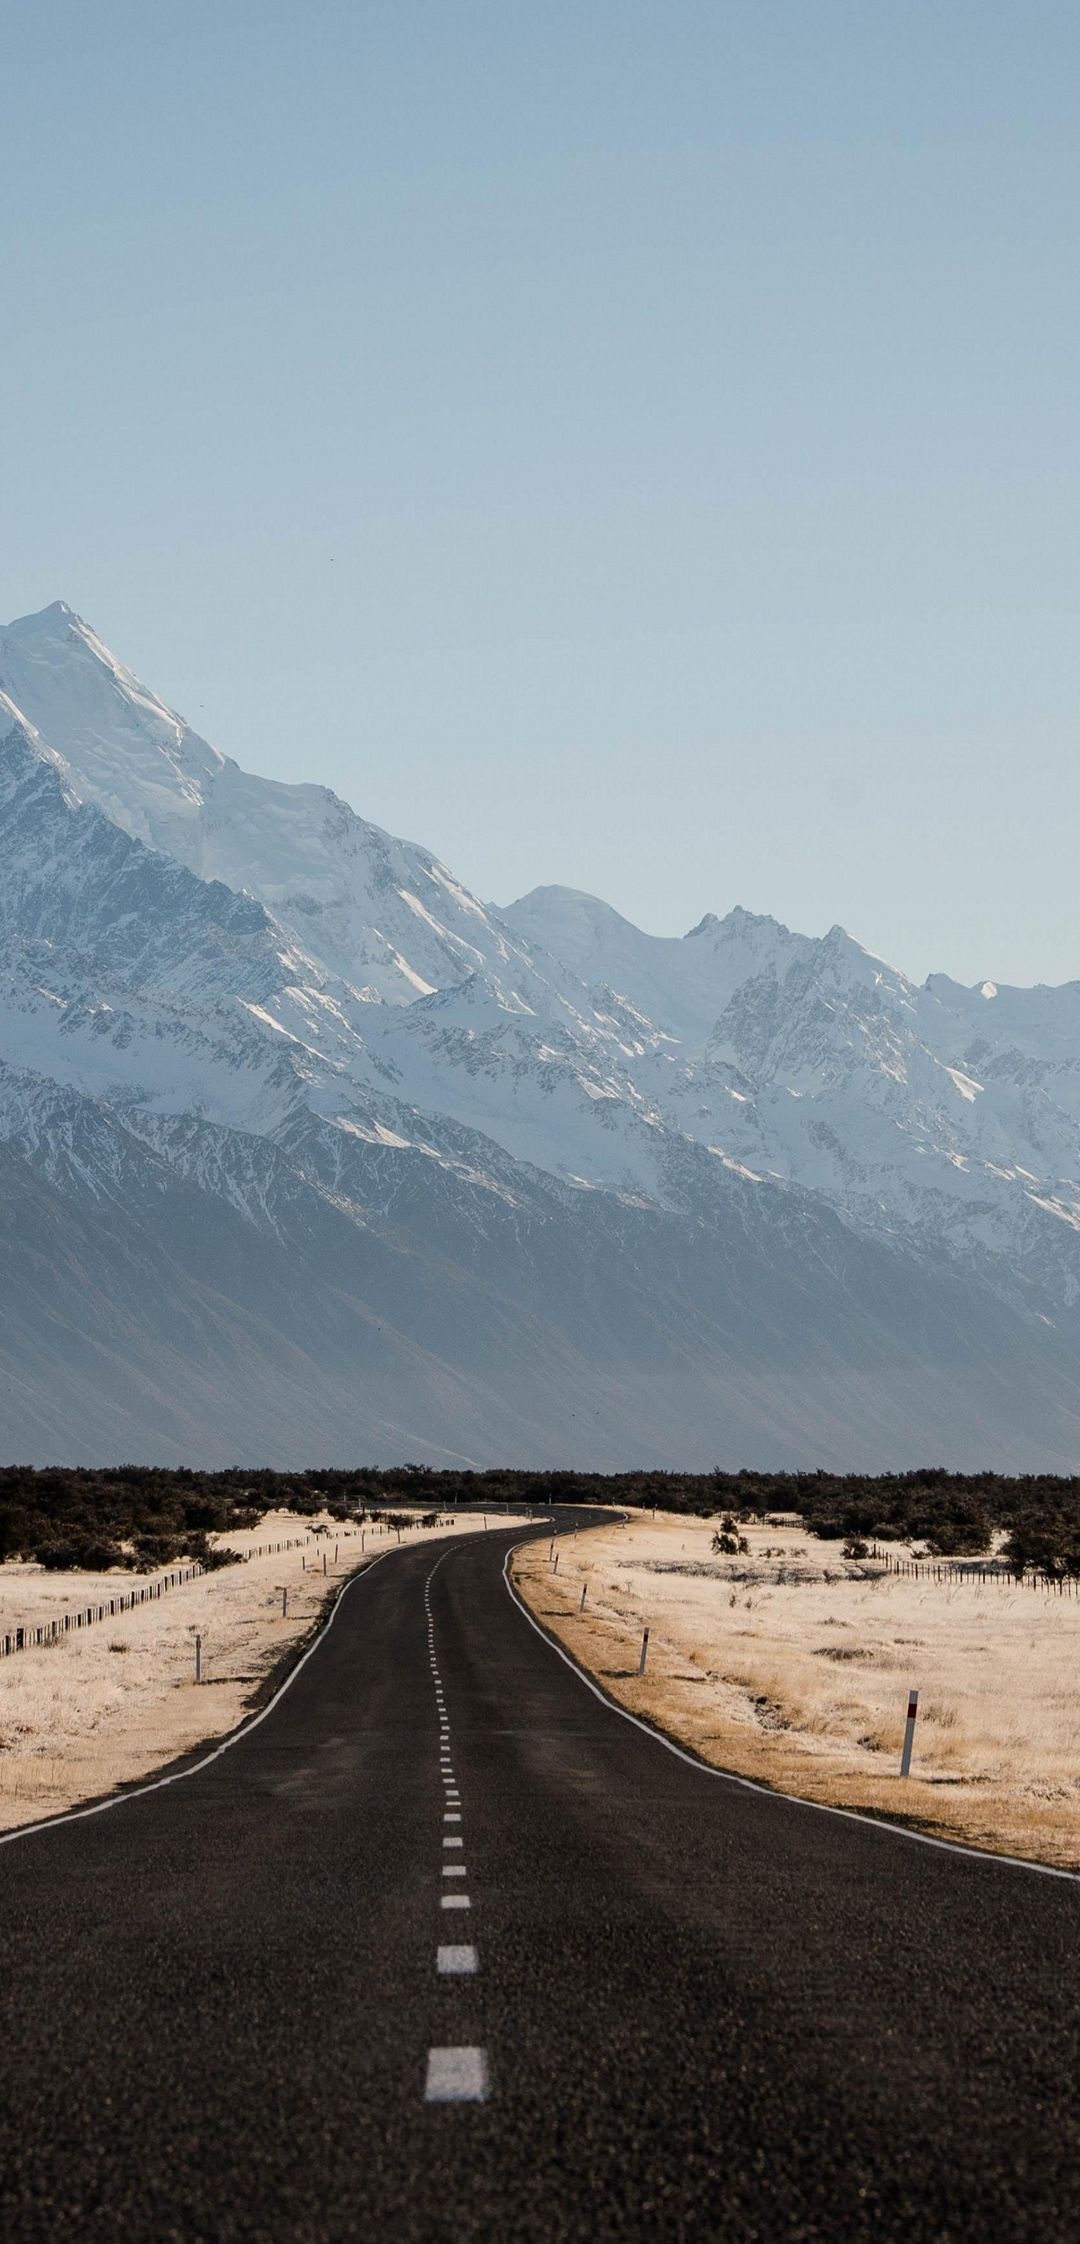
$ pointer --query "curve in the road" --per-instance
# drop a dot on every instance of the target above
(241, 2014)
(884, 1824)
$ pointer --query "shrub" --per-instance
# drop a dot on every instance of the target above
(86, 1551)
(728, 1539)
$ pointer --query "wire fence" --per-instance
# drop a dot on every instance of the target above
(126, 1601)
(980, 1572)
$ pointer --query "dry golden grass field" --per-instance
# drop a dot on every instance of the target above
(792, 1666)
(108, 1704)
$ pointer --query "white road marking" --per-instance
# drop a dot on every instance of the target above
(456, 2076)
(454, 1870)
(452, 1960)
(453, 1818)
(454, 1901)
(453, 1841)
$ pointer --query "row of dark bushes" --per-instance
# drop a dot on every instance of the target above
(148, 1516)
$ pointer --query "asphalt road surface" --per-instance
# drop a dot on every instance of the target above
(278, 2000)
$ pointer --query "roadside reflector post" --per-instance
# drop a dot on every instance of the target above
(303, 1563)
(284, 1604)
(584, 1587)
(644, 1653)
(198, 1659)
(555, 1563)
(324, 1562)
(909, 1733)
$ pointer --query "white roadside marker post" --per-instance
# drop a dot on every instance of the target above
(324, 1565)
(284, 1604)
(198, 1659)
(909, 1733)
(584, 1587)
(644, 1653)
(555, 1563)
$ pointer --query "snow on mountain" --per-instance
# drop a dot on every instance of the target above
(681, 983)
(382, 914)
(712, 1185)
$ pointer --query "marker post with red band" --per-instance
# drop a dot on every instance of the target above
(909, 1733)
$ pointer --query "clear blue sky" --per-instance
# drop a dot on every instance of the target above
(631, 445)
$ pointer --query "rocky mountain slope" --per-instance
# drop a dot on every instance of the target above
(309, 1154)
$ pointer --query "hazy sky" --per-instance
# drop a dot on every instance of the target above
(628, 445)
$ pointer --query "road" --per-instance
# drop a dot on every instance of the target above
(696, 2012)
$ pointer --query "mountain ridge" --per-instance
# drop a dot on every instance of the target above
(766, 1157)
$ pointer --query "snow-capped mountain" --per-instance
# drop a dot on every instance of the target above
(381, 913)
(308, 1153)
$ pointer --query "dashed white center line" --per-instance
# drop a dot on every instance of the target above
(450, 1961)
(456, 2076)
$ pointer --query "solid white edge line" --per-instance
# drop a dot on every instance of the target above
(158, 1784)
(750, 1784)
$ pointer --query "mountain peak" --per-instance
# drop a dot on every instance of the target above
(57, 624)
(840, 948)
(738, 925)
